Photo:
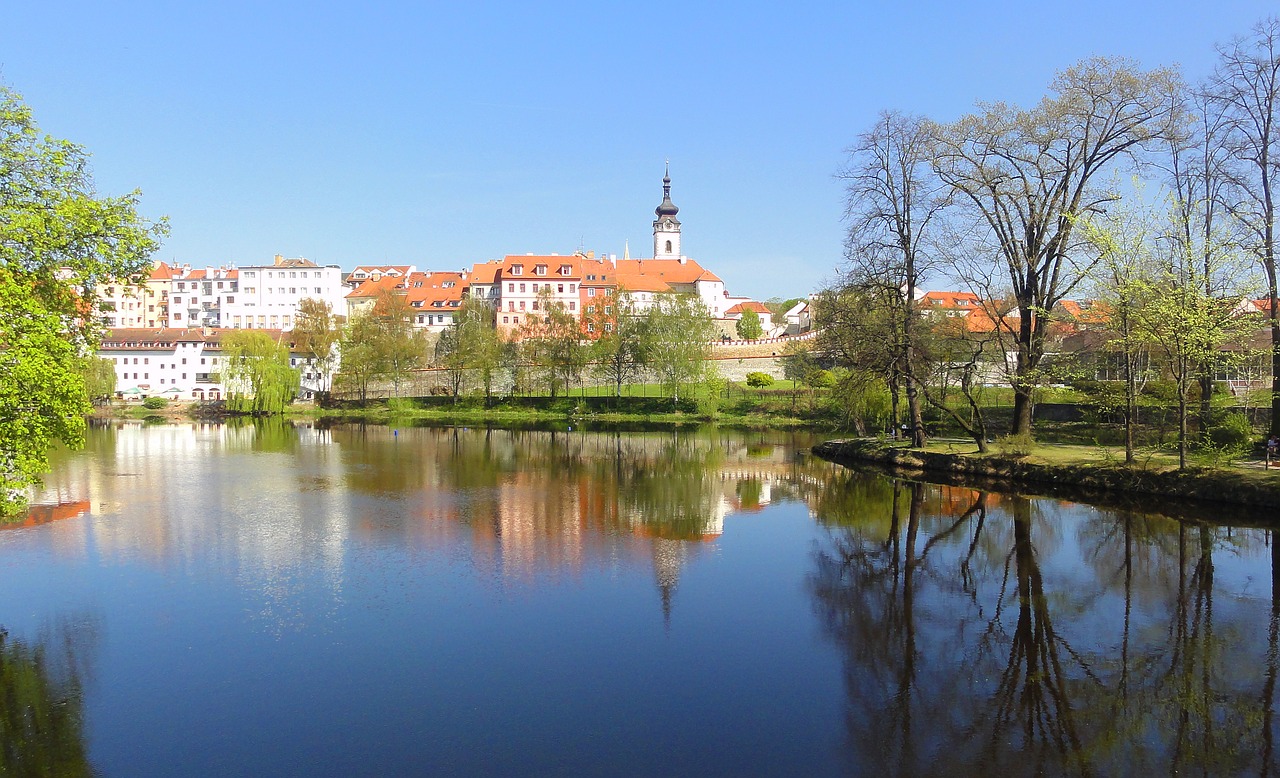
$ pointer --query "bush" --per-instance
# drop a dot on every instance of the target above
(401, 404)
(155, 403)
(1015, 445)
(1233, 432)
(758, 380)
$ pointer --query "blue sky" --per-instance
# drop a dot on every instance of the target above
(446, 134)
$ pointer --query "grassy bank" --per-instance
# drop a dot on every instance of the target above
(536, 410)
(1097, 473)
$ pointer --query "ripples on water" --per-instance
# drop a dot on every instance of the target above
(203, 600)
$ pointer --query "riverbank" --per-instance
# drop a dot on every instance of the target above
(1073, 472)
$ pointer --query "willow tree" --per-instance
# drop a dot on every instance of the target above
(256, 372)
(891, 201)
(60, 242)
(1023, 176)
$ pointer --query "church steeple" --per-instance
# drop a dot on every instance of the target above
(666, 228)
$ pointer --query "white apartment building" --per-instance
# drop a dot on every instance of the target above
(268, 295)
(183, 364)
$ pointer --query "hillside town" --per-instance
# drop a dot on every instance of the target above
(164, 333)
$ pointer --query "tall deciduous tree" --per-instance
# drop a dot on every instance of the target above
(1247, 85)
(748, 327)
(551, 338)
(60, 241)
(618, 351)
(1024, 175)
(256, 372)
(679, 331)
(316, 331)
(471, 344)
(892, 199)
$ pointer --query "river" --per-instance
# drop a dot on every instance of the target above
(192, 599)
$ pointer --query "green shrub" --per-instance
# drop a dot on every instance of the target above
(1233, 432)
(1015, 445)
(400, 404)
(155, 403)
(758, 380)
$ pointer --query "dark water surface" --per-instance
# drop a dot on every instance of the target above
(218, 600)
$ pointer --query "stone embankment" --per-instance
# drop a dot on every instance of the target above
(1100, 481)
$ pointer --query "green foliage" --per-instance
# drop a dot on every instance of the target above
(1233, 431)
(316, 331)
(678, 332)
(99, 380)
(551, 342)
(379, 345)
(155, 403)
(471, 346)
(821, 379)
(59, 242)
(257, 372)
(759, 380)
(749, 326)
(618, 352)
(401, 405)
(1016, 445)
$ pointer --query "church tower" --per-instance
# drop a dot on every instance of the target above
(666, 228)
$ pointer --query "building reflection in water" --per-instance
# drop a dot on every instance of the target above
(284, 504)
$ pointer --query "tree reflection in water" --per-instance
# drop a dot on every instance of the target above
(995, 634)
(41, 722)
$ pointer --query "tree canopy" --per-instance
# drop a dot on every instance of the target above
(60, 241)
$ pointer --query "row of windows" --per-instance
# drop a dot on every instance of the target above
(281, 274)
(511, 288)
(511, 305)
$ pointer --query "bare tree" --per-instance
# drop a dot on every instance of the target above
(892, 197)
(1025, 175)
(1247, 84)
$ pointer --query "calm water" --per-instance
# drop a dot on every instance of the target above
(216, 600)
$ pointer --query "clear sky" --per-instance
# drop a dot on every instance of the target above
(443, 134)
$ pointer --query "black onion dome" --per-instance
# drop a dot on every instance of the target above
(666, 208)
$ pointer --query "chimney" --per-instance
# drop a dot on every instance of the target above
(279, 259)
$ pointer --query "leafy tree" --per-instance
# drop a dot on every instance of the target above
(401, 347)
(551, 339)
(1022, 176)
(470, 343)
(678, 331)
(99, 380)
(60, 241)
(316, 331)
(256, 372)
(363, 360)
(749, 327)
(618, 351)
(759, 380)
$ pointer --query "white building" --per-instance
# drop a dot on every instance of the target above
(183, 364)
(268, 295)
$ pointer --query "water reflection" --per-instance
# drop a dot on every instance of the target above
(41, 701)
(1001, 635)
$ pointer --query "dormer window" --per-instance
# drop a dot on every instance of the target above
(517, 270)
(564, 270)
(540, 270)
(416, 303)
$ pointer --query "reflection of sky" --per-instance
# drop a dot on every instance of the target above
(438, 597)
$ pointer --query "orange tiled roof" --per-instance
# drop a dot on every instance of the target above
(749, 305)
(951, 301)
(485, 272)
(161, 272)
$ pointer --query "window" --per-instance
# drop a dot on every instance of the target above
(564, 270)
(182, 287)
(573, 288)
(184, 375)
(522, 287)
(184, 361)
(522, 305)
(202, 360)
(540, 270)
(560, 288)
(608, 327)
(177, 316)
(318, 290)
(177, 300)
(511, 287)
(535, 305)
(511, 305)
(591, 309)
(517, 270)
(591, 327)
(230, 299)
(591, 291)
(146, 360)
(668, 247)
(573, 305)
(293, 290)
(293, 275)
(608, 309)
(505, 320)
